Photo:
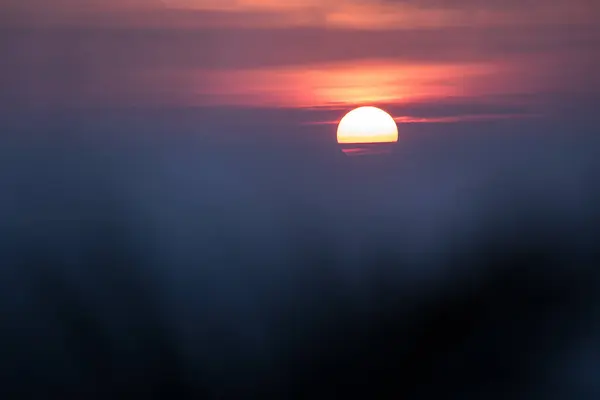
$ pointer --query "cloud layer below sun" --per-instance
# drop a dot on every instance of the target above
(297, 53)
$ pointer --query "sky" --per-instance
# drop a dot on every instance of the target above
(522, 57)
(173, 202)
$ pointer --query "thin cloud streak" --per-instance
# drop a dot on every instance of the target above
(443, 120)
(374, 14)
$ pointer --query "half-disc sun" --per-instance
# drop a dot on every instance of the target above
(367, 125)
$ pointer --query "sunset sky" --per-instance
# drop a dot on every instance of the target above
(517, 57)
(191, 204)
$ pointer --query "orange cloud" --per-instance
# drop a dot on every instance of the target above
(403, 14)
(355, 14)
(333, 84)
(292, 53)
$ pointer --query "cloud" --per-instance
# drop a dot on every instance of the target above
(373, 15)
(250, 48)
(203, 255)
(304, 53)
(301, 66)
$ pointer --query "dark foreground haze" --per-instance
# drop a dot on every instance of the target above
(142, 258)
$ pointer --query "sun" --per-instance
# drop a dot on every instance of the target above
(367, 125)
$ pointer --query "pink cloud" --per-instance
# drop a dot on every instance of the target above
(198, 52)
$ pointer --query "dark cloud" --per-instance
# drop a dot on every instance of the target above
(255, 48)
(139, 256)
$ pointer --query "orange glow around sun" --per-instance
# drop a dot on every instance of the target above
(367, 125)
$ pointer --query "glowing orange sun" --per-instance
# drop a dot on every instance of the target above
(367, 125)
